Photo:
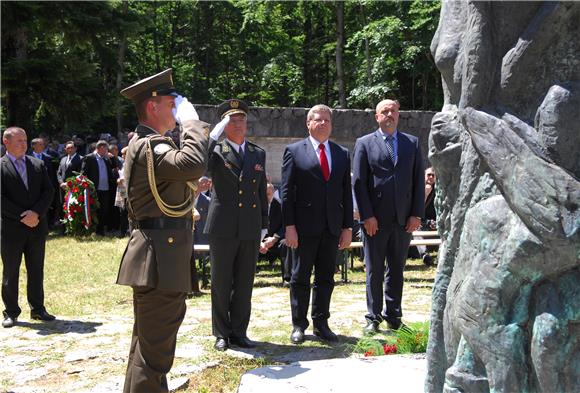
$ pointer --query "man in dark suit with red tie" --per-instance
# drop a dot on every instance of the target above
(317, 209)
(70, 163)
(26, 197)
(389, 191)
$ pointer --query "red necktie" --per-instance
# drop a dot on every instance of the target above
(324, 162)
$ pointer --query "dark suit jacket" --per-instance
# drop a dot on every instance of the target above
(50, 167)
(90, 168)
(238, 206)
(202, 206)
(308, 201)
(65, 171)
(385, 191)
(17, 199)
(275, 222)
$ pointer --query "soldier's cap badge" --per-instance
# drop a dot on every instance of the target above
(231, 107)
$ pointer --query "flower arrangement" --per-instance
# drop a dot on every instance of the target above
(409, 339)
(80, 206)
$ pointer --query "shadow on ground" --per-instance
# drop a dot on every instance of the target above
(61, 327)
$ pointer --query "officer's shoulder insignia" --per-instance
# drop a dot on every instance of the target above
(252, 147)
(161, 148)
(225, 147)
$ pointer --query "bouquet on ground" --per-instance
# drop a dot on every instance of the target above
(80, 206)
(409, 339)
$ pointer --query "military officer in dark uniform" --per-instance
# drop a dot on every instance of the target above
(236, 221)
(156, 264)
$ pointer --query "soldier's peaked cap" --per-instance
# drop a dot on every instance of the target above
(154, 86)
(231, 107)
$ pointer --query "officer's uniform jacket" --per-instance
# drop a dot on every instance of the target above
(238, 206)
(160, 258)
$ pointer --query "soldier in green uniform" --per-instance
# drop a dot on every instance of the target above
(156, 264)
(236, 221)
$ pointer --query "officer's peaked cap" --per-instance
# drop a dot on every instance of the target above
(154, 86)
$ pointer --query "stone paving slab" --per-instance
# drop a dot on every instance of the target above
(400, 373)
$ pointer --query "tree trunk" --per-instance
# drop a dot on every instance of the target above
(367, 53)
(339, 54)
(120, 70)
(18, 110)
(156, 38)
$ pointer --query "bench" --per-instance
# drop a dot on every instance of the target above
(429, 238)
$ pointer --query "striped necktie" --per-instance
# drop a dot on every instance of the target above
(21, 167)
(390, 142)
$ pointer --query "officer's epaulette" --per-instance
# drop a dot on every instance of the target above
(254, 145)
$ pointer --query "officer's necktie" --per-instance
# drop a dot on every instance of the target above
(324, 162)
(390, 142)
(241, 153)
(21, 167)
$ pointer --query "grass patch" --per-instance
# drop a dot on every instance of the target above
(79, 286)
(224, 377)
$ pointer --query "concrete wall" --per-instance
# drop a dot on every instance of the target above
(274, 128)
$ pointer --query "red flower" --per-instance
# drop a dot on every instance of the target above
(84, 184)
(75, 190)
(81, 198)
(69, 184)
(389, 349)
(91, 200)
(370, 352)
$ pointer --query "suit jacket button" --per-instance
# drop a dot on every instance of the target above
(240, 192)
(254, 205)
(170, 240)
(240, 204)
(253, 181)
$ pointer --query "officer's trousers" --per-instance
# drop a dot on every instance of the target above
(158, 315)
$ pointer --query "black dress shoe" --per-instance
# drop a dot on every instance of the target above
(371, 328)
(325, 333)
(42, 316)
(8, 322)
(242, 342)
(427, 260)
(396, 324)
(297, 336)
(221, 344)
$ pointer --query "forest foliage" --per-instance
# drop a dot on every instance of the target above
(63, 63)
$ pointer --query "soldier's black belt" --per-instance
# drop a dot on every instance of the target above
(166, 223)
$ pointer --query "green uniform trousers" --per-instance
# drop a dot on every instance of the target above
(158, 315)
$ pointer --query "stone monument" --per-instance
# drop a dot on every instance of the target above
(506, 148)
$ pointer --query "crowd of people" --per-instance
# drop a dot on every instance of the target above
(216, 183)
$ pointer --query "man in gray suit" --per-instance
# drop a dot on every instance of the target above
(389, 191)
(236, 221)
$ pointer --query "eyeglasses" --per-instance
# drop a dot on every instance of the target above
(430, 175)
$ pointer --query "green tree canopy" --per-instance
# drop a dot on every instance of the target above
(63, 63)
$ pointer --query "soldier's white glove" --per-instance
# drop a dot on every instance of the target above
(184, 110)
(219, 128)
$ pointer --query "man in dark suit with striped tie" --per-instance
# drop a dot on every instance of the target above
(389, 190)
(317, 210)
(26, 197)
